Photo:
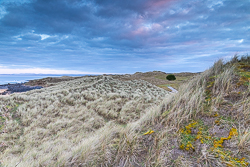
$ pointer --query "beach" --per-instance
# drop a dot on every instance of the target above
(2, 90)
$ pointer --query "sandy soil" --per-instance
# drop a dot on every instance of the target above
(2, 90)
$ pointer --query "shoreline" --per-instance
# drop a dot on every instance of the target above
(8, 89)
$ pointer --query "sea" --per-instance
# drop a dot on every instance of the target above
(21, 78)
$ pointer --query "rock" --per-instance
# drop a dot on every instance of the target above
(19, 87)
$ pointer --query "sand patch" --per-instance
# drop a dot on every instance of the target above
(3, 90)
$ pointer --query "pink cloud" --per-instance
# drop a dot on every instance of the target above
(156, 4)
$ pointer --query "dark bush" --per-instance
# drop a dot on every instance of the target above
(171, 77)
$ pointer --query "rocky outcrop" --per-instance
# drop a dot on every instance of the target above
(19, 87)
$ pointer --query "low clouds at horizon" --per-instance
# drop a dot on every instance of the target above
(118, 36)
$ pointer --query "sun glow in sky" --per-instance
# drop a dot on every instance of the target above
(107, 36)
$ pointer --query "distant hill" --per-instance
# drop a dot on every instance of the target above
(157, 78)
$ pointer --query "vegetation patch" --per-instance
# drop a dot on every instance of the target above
(192, 132)
(220, 147)
(197, 131)
(171, 77)
(226, 155)
(244, 73)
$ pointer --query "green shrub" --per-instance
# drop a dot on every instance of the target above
(171, 77)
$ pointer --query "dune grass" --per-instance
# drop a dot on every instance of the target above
(47, 124)
(99, 121)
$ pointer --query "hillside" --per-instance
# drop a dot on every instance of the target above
(61, 116)
(102, 121)
(156, 78)
(49, 81)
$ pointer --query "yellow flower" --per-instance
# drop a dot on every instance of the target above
(198, 136)
(233, 132)
(208, 137)
(149, 132)
(217, 121)
(181, 131)
(243, 158)
(219, 142)
(216, 114)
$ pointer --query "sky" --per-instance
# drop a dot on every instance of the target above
(120, 36)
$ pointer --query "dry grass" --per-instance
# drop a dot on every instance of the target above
(50, 122)
(100, 121)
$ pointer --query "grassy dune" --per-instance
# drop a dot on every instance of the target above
(101, 121)
(47, 124)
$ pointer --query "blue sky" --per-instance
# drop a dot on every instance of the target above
(118, 36)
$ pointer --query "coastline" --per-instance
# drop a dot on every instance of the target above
(8, 89)
(156, 78)
(30, 84)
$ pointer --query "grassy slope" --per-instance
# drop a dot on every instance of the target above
(180, 79)
(158, 78)
(43, 126)
(205, 124)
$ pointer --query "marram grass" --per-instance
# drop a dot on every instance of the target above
(100, 121)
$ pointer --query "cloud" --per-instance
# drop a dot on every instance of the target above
(122, 36)
(5, 70)
(2, 12)
(44, 36)
(240, 41)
